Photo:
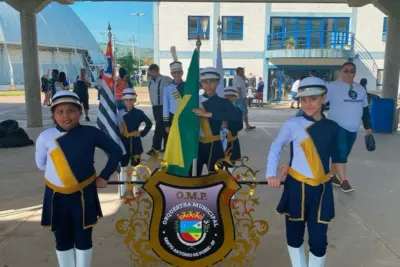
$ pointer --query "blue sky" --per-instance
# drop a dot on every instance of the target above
(96, 16)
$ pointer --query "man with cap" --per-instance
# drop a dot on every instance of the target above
(129, 121)
(157, 84)
(173, 91)
(71, 205)
(212, 112)
(307, 197)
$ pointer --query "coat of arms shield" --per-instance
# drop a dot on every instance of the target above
(191, 221)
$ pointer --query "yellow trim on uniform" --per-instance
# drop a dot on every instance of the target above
(83, 213)
(320, 207)
(71, 189)
(62, 167)
(313, 158)
(230, 137)
(177, 96)
(310, 181)
(303, 201)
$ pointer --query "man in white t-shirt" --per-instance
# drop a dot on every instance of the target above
(348, 106)
(241, 101)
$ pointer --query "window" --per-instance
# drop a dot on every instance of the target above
(379, 79)
(230, 72)
(309, 33)
(232, 28)
(384, 32)
(199, 26)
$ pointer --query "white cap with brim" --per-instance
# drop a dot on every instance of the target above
(129, 93)
(209, 73)
(175, 66)
(230, 91)
(311, 86)
(65, 96)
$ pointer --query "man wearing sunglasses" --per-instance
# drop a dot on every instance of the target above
(348, 106)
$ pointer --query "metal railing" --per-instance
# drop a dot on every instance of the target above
(365, 57)
(311, 40)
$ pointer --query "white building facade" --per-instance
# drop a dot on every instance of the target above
(278, 42)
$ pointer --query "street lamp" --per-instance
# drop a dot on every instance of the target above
(138, 15)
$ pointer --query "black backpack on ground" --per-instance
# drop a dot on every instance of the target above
(11, 135)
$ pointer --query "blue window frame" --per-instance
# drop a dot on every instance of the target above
(232, 28)
(230, 72)
(309, 32)
(199, 26)
(384, 32)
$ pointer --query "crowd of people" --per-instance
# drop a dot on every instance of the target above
(320, 147)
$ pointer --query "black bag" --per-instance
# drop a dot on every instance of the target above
(11, 135)
(370, 142)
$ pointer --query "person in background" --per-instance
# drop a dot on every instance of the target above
(348, 106)
(63, 82)
(81, 88)
(240, 85)
(46, 90)
(137, 79)
(233, 127)
(260, 92)
(294, 91)
(54, 81)
(99, 84)
(120, 85)
(71, 205)
(363, 83)
(313, 73)
(157, 84)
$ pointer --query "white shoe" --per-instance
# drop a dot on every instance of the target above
(297, 256)
(314, 261)
(136, 188)
(122, 178)
(83, 258)
(66, 258)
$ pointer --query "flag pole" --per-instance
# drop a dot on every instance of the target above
(194, 163)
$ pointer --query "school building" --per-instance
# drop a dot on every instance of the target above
(275, 41)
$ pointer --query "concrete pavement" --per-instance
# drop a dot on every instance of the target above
(363, 234)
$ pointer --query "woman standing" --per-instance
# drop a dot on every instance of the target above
(71, 205)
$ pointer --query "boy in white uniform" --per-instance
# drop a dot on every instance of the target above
(308, 196)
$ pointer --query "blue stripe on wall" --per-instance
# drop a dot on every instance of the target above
(310, 14)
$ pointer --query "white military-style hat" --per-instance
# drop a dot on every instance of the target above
(129, 93)
(65, 96)
(311, 86)
(209, 73)
(230, 90)
(176, 65)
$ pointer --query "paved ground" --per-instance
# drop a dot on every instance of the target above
(364, 233)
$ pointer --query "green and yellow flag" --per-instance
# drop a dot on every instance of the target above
(183, 139)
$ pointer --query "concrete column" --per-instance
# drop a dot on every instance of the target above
(31, 67)
(392, 59)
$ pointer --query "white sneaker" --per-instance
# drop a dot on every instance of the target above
(83, 258)
(314, 261)
(297, 256)
(122, 178)
(66, 258)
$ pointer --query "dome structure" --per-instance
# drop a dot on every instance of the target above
(64, 43)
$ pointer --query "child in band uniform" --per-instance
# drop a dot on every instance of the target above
(307, 196)
(129, 121)
(233, 127)
(71, 206)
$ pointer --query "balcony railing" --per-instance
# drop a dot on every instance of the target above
(311, 40)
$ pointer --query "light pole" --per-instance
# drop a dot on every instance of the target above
(138, 15)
